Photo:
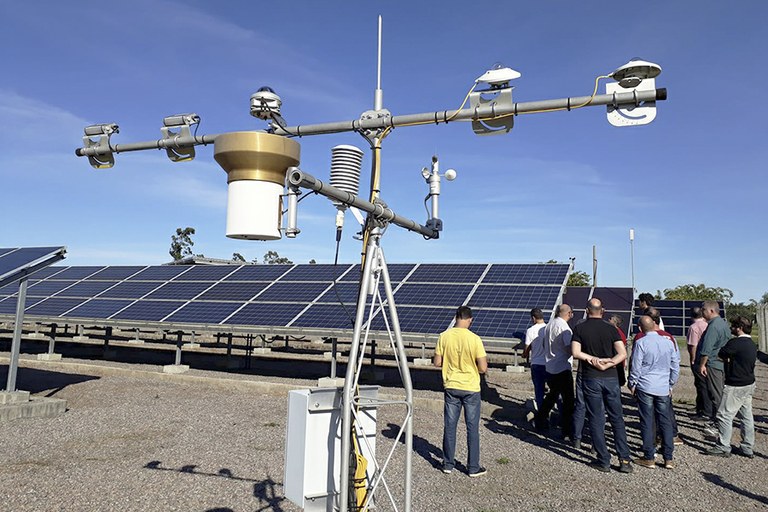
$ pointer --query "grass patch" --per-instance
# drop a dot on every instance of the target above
(503, 460)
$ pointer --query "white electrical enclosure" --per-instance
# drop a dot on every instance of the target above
(313, 445)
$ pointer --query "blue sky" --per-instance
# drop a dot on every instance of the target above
(691, 184)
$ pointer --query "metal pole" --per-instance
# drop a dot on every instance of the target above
(349, 379)
(405, 374)
(16, 343)
(632, 258)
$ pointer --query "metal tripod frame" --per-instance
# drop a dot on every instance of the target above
(375, 272)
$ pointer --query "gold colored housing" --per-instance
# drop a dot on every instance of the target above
(256, 156)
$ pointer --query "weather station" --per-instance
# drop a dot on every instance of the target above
(331, 461)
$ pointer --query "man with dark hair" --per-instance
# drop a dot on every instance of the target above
(461, 355)
(655, 369)
(557, 352)
(693, 337)
(645, 301)
(710, 367)
(599, 349)
(534, 347)
(739, 354)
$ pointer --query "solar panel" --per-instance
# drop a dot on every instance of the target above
(148, 310)
(46, 288)
(527, 274)
(419, 320)
(6, 250)
(514, 297)
(15, 258)
(77, 272)
(201, 312)
(162, 273)
(324, 272)
(265, 314)
(98, 308)
(8, 305)
(344, 292)
(86, 289)
(452, 295)
(266, 273)
(233, 291)
(494, 323)
(397, 272)
(327, 316)
(117, 273)
(47, 272)
(292, 292)
(53, 306)
(207, 272)
(447, 273)
(179, 290)
(616, 301)
(130, 290)
(676, 314)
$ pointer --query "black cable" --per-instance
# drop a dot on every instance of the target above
(335, 289)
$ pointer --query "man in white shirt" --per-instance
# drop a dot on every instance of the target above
(557, 352)
(534, 348)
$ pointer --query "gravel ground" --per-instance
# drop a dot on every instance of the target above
(135, 439)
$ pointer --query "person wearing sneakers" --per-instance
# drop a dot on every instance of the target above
(598, 348)
(461, 355)
(739, 354)
(655, 368)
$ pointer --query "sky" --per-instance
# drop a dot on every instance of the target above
(691, 184)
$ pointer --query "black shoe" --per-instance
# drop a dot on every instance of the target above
(742, 453)
(480, 472)
(598, 466)
(625, 466)
(576, 444)
(700, 418)
(717, 452)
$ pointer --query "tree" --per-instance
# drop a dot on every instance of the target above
(764, 298)
(578, 278)
(698, 292)
(272, 258)
(236, 256)
(181, 243)
(312, 262)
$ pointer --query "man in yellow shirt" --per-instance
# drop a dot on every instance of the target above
(461, 355)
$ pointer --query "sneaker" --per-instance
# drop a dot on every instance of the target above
(677, 441)
(700, 418)
(717, 452)
(711, 430)
(646, 463)
(447, 471)
(576, 444)
(740, 451)
(625, 466)
(668, 464)
(480, 472)
(600, 467)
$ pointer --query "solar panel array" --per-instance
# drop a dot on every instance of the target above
(616, 300)
(301, 297)
(14, 261)
(676, 314)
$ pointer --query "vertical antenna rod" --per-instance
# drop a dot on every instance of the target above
(378, 98)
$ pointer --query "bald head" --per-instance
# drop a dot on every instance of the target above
(595, 308)
(564, 311)
(647, 324)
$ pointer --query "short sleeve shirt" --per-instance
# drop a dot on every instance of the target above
(597, 338)
(460, 348)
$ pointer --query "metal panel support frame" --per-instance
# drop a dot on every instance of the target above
(370, 303)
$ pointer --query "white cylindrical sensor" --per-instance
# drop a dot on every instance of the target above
(254, 210)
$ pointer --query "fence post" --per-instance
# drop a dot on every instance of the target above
(762, 320)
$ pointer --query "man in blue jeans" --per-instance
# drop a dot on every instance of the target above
(598, 348)
(655, 369)
(461, 355)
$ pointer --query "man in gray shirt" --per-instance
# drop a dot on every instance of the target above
(710, 367)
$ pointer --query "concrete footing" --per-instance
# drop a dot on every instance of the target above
(35, 335)
(191, 345)
(13, 397)
(261, 350)
(136, 341)
(327, 356)
(81, 338)
(49, 357)
(35, 407)
(175, 368)
(515, 369)
(330, 382)
(422, 361)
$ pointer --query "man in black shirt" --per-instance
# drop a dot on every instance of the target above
(739, 355)
(599, 349)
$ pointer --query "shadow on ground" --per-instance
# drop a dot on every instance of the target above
(39, 381)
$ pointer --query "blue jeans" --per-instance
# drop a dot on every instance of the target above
(539, 378)
(601, 396)
(736, 400)
(455, 399)
(650, 406)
